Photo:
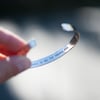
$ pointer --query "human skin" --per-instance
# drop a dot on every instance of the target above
(11, 60)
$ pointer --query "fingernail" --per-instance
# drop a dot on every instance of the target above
(21, 62)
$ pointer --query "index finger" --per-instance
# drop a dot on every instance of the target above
(10, 43)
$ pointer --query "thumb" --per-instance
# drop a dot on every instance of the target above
(12, 66)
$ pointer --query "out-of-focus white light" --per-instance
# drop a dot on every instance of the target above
(67, 27)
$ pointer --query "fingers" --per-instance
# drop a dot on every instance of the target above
(10, 43)
(12, 66)
(2, 57)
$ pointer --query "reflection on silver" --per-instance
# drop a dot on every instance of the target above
(32, 43)
(59, 53)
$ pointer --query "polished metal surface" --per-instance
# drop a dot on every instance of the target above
(59, 53)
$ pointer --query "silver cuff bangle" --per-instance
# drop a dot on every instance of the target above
(59, 53)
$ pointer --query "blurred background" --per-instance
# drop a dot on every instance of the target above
(76, 76)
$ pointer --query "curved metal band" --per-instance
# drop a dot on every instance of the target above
(59, 53)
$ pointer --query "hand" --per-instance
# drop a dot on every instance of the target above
(11, 63)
